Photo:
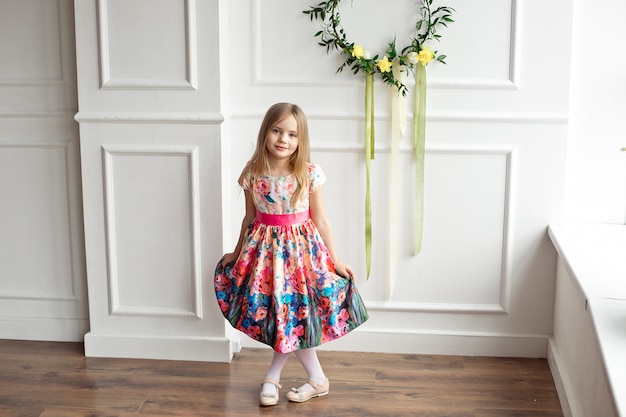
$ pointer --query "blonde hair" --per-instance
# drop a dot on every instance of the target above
(259, 164)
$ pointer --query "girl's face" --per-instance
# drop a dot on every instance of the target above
(281, 140)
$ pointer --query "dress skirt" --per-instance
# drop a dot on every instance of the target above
(283, 289)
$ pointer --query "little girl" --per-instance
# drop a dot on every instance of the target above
(284, 284)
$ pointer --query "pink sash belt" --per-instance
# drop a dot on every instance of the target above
(282, 219)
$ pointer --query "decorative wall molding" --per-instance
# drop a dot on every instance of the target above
(330, 146)
(434, 116)
(509, 152)
(38, 115)
(218, 118)
(136, 117)
(485, 334)
(515, 66)
(55, 82)
(60, 143)
(24, 296)
(435, 342)
(107, 82)
(506, 273)
(260, 79)
(109, 152)
(499, 117)
(439, 308)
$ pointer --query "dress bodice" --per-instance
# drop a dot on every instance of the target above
(272, 194)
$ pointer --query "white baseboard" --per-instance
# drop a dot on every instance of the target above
(50, 329)
(204, 349)
(470, 344)
(561, 379)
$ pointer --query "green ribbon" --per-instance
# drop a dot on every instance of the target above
(419, 131)
(369, 155)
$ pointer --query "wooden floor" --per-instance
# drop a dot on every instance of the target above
(55, 380)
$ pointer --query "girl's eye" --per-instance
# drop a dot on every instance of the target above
(275, 131)
(293, 135)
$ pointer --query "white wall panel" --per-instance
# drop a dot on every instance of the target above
(38, 74)
(153, 237)
(493, 67)
(150, 118)
(144, 56)
(152, 218)
(34, 55)
(42, 267)
(161, 55)
(34, 222)
(463, 264)
(492, 34)
(43, 292)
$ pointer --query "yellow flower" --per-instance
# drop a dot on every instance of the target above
(425, 55)
(384, 65)
(358, 51)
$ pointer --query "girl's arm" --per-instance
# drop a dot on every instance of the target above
(245, 223)
(318, 215)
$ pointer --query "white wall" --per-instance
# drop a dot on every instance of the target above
(596, 168)
(496, 145)
(595, 192)
(496, 141)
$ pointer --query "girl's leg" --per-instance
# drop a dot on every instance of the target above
(311, 364)
(278, 363)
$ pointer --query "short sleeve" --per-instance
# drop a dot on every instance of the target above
(245, 178)
(316, 177)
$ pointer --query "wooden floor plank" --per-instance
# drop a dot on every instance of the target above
(42, 379)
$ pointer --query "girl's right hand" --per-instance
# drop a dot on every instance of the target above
(228, 258)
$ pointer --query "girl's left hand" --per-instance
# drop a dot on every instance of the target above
(228, 258)
(344, 270)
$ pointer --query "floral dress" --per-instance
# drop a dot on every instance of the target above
(283, 289)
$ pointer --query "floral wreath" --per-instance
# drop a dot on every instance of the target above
(359, 59)
(391, 68)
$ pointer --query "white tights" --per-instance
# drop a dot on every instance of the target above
(309, 361)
